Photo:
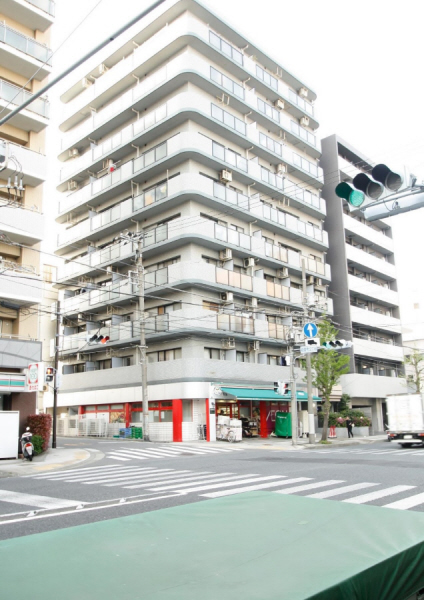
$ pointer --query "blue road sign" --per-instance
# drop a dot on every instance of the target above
(310, 330)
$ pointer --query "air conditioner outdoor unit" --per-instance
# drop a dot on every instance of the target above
(310, 279)
(227, 297)
(279, 104)
(304, 121)
(73, 153)
(226, 254)
(318, 281)
(303, 92)
(72, 186)
(102, 69)
(255, 346)
(228, 344)
(248, 262)
(86, 83)
(282, 168)
(80, 356)
(284, 272)
(226, 176)
(253, 302)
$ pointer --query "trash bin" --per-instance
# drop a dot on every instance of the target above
(283, 424)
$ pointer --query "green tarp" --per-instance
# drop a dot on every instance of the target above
(254, 546)
(261, 394)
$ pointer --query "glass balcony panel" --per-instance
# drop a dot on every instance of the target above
(243, 201)
(301, 227)
(126, 170)
(149, 158)
(281, 217)
(283, 255)
(245, 241)
(161, 112)
(161, 233)
(218, 151)
(266, 211)
(270, 288)
(161, 191)
(216, 76)
(96, 186)
(238, 90)
(162, 276)
(222, 276)
(291, 222)
(238, 56)
(240, 127)
(114, 252)
(278, 291)
(229, 120)
(126, 208)
(318, 234)
(149, 120)
(96, 222)
(309, 230)
(285, 292)
(161, 151)
(138, 126)
(242, 163)
(224, 322)
(320, 268)
(272, 180)
(138, 163)
(230, 157)
(107, 145)
(294, 258)
(221, 233)
(312, 264)
(217, 113)
(272, 330)
(149, 197)
(226, 48)
(149, 238)
(268, 249)
(246, 282)
(138, 202)
(274, 215)
(149, 279)
(233, 237)
(220, 191)
(276, 252)
(234, 279)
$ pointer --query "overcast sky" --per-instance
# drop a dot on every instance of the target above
(362, 58)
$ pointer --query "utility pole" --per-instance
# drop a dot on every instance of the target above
(293, 389)
(142, 321)
(56, 368)
(311, 417)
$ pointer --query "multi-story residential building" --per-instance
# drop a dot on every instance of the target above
(363, 287)
(187, 132)
(25, 63)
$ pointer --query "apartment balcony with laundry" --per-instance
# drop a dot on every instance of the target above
(367, 262)
(161, 47)
(370, 291)
(33, 118)
(22, 162)
(24, 54)
(365, 234)
(34, 14)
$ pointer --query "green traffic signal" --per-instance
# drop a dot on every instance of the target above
(347, 192)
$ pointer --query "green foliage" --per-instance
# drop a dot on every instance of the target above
(41, 425)
(325, 442)
(337, 419)
(344, 403)
(37, 442)
(415, 361)
(327, 366)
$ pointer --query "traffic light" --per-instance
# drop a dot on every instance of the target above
(98, 339)
(337, 345)
(313, 342)
(282, 388)
(49, 375)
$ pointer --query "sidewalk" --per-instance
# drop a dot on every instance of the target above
(276, 443)
(53, 458)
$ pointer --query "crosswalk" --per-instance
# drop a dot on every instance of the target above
(406, 452)
(129, 452)
(211, 484)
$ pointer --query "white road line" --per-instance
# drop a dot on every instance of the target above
(182, 449)
(218, 485)
(406, 503)
(33, 500)
(144, 452)
(75, 473)
(252, 488)
(128, 477)
(118, 457)
(43, 475)
(342, 490)
(309, 486)
(207, 449)
(182, 483)
(134, 471)
(159, 478)
(397, 489)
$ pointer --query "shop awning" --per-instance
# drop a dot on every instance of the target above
(262, 394)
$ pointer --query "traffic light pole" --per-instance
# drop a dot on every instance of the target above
(56, 368)
(311, 416)
(293, 396)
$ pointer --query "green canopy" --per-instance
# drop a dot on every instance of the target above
(261, 394)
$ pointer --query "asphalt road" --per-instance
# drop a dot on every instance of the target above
(127, 477)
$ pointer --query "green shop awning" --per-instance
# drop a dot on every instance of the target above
(261, 394)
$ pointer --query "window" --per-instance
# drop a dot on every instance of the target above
(49, 274)
(303, 133)
(272, 179)
(162, 265)
(229, 156)
(273, 360)
(212, 353)
(105, 364)
(228, 84)
(236, 228)
(228, 119)
(225, 48)
(164, 355)
(306, 165)
(167, 308)
(270, 144)
(242, 357)
(266, 77)
(213, 306)
(268, 110)
(212, 261)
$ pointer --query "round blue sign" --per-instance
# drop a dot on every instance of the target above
(310, 330)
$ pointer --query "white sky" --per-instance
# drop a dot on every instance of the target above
(363, 59)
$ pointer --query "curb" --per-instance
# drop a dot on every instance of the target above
(19, 468)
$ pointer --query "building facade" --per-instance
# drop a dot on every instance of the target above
(25, 63)
(363, 288)
(187, 133)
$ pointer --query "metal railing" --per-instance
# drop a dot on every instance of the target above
(15, 95)
(47, 6)
(21, 42)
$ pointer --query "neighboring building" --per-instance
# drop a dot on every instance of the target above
(24, 54)
(188, 132)
(412, 312)
(363, 288)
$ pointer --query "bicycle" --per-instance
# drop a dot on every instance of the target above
(226, 433)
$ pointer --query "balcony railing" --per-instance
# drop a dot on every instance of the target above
(25, 44)
(47, 6)
(15, 95)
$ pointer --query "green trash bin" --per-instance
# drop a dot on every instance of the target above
(283, 424)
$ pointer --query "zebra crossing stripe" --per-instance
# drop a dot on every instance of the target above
(100, 476)
(342, 490)
(397, 489)
(182, 449)
(182, 483)
(181, 488)
(145, 452)
(67, 471)
(406, 503)
(129, 477)
(158, 478)
(253, 488)
(119, 458)
(310, 486)
(76, 473)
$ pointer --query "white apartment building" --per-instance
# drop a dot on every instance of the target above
(25, 64)
(363, 288)
(187, 132)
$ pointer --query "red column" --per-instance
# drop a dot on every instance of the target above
(81, 410)
(177, 420)
(208, 429)
(127, 414)
(262, 414)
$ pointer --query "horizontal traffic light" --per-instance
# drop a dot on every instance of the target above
(337, 345)
(282, 388)
(350, 194)
(98, 339)
(391, 180)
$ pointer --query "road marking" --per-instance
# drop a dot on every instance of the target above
(159, 478)
(182, 483)
(131, 476)
(397, 489)
(310, 486)
(406, 503)
(252, 488)
(217, 485)
(343, 490)
(119, 458)
(93, 476)
(112, 466)
(33, 500)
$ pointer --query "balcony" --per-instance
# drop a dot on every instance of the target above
(377, 350)
(33, 118)
(369, 263)
(21, 287)
(372, 291)
(160, 48)
(22, 225)
(34, 14)
(23, 54)
(374, 320)
(372, 386)
(18, 353)
(363, 234)
(31, 164)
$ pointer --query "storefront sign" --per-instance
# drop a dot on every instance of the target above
(35, 377)
(211, 406)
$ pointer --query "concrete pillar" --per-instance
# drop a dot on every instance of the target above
(377, 416)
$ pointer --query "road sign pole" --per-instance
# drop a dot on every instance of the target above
(311, 417)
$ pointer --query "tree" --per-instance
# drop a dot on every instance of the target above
(344, 403)
(415, 361)
(328, 366)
